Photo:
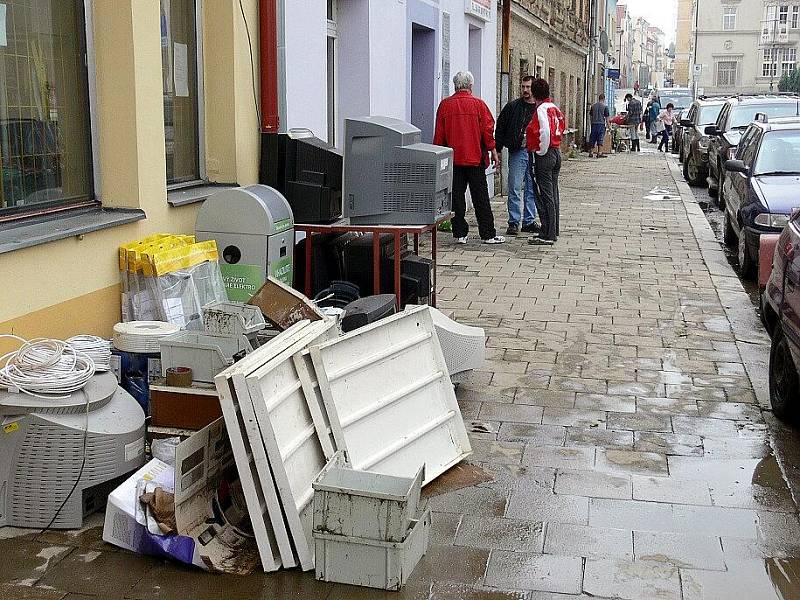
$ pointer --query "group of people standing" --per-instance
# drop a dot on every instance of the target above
(530, 127)
(654, 120)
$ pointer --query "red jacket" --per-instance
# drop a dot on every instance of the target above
(546, 128)
(465, 124)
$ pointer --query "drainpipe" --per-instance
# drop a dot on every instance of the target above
(268, 49)
(505, 82)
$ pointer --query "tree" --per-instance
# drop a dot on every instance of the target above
(790, 82)
(783, 83)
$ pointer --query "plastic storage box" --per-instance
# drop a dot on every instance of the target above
(205, 353)
(371, 563)
(365, 505)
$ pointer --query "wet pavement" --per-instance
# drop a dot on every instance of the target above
(622, 446)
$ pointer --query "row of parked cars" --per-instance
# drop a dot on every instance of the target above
(746, 150)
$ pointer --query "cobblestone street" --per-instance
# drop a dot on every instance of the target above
(620, 448)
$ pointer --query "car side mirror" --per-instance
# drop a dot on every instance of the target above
(795, 214)
(711, 130)
(686, 123)
(736, 166)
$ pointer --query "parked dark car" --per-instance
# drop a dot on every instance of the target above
(693, 152)
(733, 119)
(761, 186)
(782, 314)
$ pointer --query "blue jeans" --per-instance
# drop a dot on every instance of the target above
(519, 174)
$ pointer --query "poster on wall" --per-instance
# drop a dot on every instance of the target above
(479, 8)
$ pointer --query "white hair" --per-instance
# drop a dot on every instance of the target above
(463, 80)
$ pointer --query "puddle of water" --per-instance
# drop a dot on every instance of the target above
(785, 576)
(461, 476)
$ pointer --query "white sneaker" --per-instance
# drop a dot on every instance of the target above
(498, 239)
(461, 240)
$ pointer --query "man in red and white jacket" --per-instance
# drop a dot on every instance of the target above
(465, 124)
(544, 139)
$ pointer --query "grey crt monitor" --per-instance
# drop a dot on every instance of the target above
(390, 177)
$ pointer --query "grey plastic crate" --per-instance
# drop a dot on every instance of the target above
(371, 563)
(206, 354)
(364, 504)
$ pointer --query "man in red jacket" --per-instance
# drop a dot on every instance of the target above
(544, 139)
(465, 124)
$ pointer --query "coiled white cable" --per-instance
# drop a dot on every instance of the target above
(45, 368)
(97, 348)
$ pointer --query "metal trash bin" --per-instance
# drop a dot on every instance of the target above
(254, 230)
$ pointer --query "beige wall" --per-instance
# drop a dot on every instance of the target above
(67, 286)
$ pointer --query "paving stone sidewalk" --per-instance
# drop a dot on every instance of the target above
(620, 450)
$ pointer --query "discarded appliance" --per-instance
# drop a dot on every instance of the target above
(463, 346)
(307, 171)
(389, 398)
(390, 177)
(254, 230)
(368, 309)
(44, 443)
(234, 318)
(370, 521)
(190, 408)
(282, 305)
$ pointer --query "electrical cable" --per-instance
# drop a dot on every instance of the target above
(45, 368)
(252, 65)
(97, 348)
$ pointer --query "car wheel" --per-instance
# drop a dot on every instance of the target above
(692, 171)
(784, 383)
(747, 266)
(729, 235)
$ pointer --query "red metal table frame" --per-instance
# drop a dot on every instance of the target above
(395, 230)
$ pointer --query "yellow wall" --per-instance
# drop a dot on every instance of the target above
(72, 285)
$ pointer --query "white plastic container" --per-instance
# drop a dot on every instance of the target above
(371, 563)
(205, 353)
(365, 505)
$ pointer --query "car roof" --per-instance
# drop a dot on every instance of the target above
(779, 124)
(764, 99)
(710, 101)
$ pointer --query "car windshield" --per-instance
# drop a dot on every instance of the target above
(744, 114)
(678, 101)
(779, 154)
(708, 114)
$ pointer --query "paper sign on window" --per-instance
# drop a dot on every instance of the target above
(181, 70)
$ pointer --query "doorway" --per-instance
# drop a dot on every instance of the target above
(423, 71)
(475, 35)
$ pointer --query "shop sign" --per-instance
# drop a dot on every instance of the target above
(479, 8)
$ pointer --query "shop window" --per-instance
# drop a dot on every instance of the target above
(45, 123)
(182, 89)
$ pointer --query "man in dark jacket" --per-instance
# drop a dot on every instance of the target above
(465, 124)
(510, 133)
(633, 120)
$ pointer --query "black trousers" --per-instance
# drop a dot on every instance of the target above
(475, 178)
(545, 173)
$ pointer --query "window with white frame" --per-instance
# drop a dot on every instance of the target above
(726, 73)
(795, 22)
(45, 120)
(769, 66)
(728, 18)
(182, 90)
(783, 14)
(788, 60)
(769, 20)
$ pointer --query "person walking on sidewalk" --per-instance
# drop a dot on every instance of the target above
(465, 124)
(633, 120)
(667, 119)
(543, 142)
(653, 112)
(599, 116)
(510, 133)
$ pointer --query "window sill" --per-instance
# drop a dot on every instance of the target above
(16, 235)
(197, 193)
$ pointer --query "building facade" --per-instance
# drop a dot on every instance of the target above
(745, 46)
(684, 42)
(117, 114)
(379, 57)
(625, 43)
(550, 40)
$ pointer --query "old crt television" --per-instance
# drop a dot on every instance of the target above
(390, 177)
(307, 171)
